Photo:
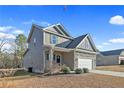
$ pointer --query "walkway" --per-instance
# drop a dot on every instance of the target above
(112, 73)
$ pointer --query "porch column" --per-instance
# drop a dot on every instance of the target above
(51, 58)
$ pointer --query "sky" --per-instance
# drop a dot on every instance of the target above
(104, 23)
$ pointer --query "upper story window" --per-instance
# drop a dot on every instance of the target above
(54, 39)
(34, 41)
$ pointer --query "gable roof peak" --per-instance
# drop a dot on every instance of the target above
(36, 25)
(59, 28)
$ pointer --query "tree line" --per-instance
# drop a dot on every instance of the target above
(12, 57)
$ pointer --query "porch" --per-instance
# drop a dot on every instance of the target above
(55, 57)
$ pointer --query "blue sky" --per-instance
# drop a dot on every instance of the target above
(104, 23)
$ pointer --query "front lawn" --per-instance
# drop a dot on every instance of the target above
(89, 80)
(23, 73)
(117, 68)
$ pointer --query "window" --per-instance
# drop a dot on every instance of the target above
(53, 39)
(54, 57)
(58, 59)
(34, 41)
(47, 56)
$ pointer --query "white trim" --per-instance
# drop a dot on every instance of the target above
(62, 49)
(65, 30)
(92, 42)
(55, 48)
(60, 30)
(56, 25)
(50, 26)
(44, 37)
(31, 32)
(82, 41)
(80, 50)
(44, 60)
(47, 31)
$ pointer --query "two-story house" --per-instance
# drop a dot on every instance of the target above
(53, 44)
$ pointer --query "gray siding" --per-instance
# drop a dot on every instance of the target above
(47, 37)
(107, 60)
(34, 57)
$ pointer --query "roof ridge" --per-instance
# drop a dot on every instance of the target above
(112, 50)
(80, 36)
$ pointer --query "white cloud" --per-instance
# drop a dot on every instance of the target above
(18, 31)
(105, 43)
(45, 23)
(117, 20)
(7, 36)
(10, 29)
(100, 46)
(8, 48)
(42, 23)
(117, 40)
(122, 33)
(29, 22)
(6, 28)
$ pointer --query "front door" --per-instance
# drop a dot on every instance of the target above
(58, 59)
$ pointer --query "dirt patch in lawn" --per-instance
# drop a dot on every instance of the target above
(89, 80)
(117, 68)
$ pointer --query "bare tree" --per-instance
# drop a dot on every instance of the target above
(3, 41)
(13, 51)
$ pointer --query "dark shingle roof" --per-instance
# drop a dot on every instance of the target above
(64, 44)
(72, 43)
(112, 52)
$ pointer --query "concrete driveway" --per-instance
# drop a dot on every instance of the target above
(116, 68)
(112, 73)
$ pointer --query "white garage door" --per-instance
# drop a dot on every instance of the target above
(85, 63)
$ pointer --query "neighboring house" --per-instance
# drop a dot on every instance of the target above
(113, 57)
(54, 45)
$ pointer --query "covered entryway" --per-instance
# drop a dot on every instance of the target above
(53, 57)
(85, 63)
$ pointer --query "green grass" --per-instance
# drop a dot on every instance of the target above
(23, 73)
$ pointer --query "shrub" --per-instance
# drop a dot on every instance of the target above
(78, 71)
(65, 69)
(85, 70)
(71, 69)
